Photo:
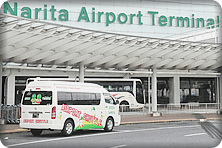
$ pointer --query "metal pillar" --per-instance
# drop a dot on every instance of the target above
(154, 91)
(81, 72)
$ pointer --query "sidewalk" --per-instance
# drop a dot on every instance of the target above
(14, 128)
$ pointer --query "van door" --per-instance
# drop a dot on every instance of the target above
(111, 108)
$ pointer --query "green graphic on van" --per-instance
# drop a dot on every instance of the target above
(111, 107)
(36, 99)
(46, 98)
(112, 112)
(85, 123)
(27, 98)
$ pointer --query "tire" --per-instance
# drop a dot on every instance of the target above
(109, 125)
(36, 132)
(68, 128)
(124, 108)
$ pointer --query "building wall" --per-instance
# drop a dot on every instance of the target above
(12, 75)
(193, 9)
(143, 23)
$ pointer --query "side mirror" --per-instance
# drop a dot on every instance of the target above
(117, 101)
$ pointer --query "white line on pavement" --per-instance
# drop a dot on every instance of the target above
(195, 134)
(99, 134)
(119, 146)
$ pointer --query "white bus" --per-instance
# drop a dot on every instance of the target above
(129, 92)
(67, 106)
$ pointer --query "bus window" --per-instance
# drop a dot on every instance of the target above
(120, 86)
(139, 93)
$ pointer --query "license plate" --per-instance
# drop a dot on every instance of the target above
(35, 115)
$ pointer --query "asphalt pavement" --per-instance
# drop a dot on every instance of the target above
(14, 128)
(186, 134)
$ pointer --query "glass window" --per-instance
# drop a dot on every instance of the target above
(64, 98)
(202, 90)
(82, 98)
(139, 92)
(108, 98)
(115, 86)
(78, 98)
(37, 98)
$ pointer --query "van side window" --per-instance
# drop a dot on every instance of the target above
(109, 99)
(64, 98)
(82, 98)
(78, 98)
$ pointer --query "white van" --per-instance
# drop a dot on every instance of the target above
(67, 106)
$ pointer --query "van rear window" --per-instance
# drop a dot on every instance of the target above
(37, 98)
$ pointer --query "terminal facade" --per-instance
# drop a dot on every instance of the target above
(175, 44)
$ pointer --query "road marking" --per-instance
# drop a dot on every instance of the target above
(161, 128)
(100, 134)
(195, 134)
(118, 146)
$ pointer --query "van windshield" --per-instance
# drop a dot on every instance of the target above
(37, 98)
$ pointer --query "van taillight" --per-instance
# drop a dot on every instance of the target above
(54, 112)
(20, 111)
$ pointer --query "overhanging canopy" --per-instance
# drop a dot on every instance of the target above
(38, 43)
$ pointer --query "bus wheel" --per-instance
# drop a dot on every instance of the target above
(109, 125)
(68, 128)
(124, 107)
(36, 132)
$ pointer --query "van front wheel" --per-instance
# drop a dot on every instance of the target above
(36, 132)
(68, 128)
(109, 125)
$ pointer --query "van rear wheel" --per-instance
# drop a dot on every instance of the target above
(36, 132)
(109, 125)
(68, 128)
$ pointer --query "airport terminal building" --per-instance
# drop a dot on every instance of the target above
(173, 46)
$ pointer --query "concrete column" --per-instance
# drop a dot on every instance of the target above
(81, 72)
(10, 98)
(174, 84)
(219, 32)
(73, 76)
(148, 91)
(154, 91)
(0, 88)
(219, 35)
(126, 76)
(220, 91)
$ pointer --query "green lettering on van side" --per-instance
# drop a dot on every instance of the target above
(112, 112)
(111, 107)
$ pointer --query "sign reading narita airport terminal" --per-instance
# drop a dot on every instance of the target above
(92, 15)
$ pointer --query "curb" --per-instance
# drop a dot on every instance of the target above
(162, 121)
(14, 131)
